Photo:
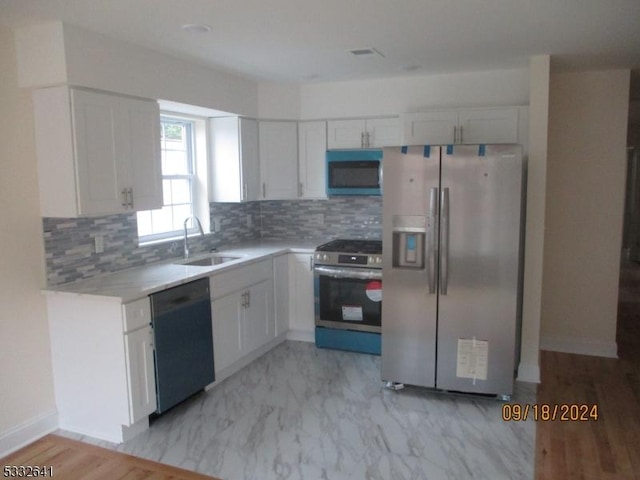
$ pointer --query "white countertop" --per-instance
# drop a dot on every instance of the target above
(134, 283)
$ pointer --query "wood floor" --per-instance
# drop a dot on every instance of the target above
(608, 448)
(72, 460)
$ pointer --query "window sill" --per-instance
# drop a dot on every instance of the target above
(159, 241)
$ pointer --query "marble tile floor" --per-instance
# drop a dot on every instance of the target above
(299, 412)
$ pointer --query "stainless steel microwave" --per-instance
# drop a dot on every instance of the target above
(354, 172)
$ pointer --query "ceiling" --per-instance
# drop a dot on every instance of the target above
(310, 41)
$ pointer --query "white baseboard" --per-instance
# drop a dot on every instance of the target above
(529, 372)
(27, 432)
(580, 346)
(302, 335)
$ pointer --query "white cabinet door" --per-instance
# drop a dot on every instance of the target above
(345, 133)
(488, 125)
(383, 132)
(258, 316)
(281, 293)
(250, 162)
(99, 153)
(140, 373)
(364, 133)
(235, 168)
(227, 313)
(278, 149)
(301, 310)
(141, 136)
(430, 128)
(462, 126)
(312, 150)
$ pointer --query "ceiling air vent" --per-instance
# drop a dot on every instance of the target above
(365, 52)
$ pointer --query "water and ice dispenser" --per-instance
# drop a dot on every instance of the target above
(409, 233)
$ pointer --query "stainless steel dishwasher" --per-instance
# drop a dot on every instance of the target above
(181, 318)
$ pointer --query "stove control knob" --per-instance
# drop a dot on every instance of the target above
(378, 259)
(325, 257)
(370, 260)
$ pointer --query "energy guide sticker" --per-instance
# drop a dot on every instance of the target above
(472, 360)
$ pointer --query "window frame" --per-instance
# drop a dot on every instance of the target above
(195, 177)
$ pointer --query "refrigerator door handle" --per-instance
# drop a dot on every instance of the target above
(444, 241)
(432, 241)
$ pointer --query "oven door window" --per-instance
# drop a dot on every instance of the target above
(350, 300)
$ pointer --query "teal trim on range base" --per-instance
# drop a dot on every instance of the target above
(363, 342)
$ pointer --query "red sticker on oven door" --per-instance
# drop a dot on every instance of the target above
(374, 291)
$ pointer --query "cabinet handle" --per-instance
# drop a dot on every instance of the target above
(244, 191)
(264, 189)
(311, 263)
(249, 298)
(300, 189)
(131, 198)
(125, 199)
(362, 139)
(368, 139)
(455, 134)
(244, 300)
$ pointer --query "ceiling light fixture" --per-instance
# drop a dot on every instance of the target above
(196, 28)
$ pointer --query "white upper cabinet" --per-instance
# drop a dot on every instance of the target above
(430, 128)
(364, 133)
(278, 147)
(235, 167)
(462, 126)
(98, 153)
(312, 149)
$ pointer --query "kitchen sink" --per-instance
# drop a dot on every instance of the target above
(209, 261)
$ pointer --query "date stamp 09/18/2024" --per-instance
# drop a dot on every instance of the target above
(545, 412)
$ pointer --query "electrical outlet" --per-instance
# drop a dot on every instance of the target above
(249, 220)
(216, 224)
(99, 243)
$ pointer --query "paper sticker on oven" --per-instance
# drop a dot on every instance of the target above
(352, 313)
(374, 290)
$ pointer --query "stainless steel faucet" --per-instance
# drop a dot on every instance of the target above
(186, 241)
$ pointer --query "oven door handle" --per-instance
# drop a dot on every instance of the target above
(341, 272)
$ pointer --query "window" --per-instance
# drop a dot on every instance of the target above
(179, 182)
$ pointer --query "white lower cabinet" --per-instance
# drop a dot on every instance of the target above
(140, 373)
(227, 315)
(243, 316)
(301, 310)
(102, 356)
(281, 293)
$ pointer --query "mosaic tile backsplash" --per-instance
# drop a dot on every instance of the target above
(70, 246)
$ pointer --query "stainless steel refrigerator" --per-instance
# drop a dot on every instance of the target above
(451, 266)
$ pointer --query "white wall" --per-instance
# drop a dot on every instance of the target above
(393, 96)
(584, 211)
(97, 61)
(26, 387)
(540, 69)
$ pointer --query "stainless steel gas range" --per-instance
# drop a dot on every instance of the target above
(348, 295)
